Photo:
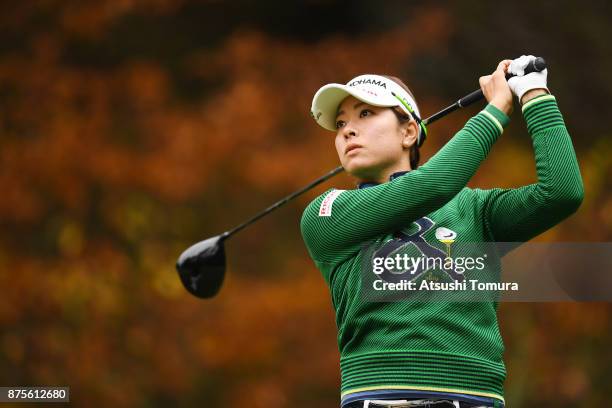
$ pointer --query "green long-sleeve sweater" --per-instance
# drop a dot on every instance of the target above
(404, 349)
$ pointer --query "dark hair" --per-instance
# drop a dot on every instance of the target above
(415, 155)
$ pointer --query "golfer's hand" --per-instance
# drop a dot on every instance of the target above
(495, 88)
(527, 86)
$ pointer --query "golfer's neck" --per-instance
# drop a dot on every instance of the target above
(383, 176)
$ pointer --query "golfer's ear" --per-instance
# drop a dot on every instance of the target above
(410, 132)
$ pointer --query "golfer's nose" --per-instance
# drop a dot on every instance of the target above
(349, 131)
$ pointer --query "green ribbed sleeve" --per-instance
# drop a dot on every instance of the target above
(519, 214)
(336, 223)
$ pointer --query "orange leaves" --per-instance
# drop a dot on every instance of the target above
(116, 150)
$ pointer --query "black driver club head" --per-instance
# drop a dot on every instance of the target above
(201, 267)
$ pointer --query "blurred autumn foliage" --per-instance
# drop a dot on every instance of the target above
(130, 129)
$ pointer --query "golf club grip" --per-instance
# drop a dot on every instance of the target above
(537, 65)
(470, 98)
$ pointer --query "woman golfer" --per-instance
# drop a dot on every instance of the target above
(438, 354)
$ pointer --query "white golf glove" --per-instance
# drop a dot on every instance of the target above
(522, 83)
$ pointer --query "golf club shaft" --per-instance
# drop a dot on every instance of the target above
(538, 65)
(461, 103)
(283, 201)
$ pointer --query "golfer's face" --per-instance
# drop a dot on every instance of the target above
(369, 139)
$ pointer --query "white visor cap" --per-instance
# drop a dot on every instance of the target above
(375, 90)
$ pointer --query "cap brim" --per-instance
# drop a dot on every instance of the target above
(328, 98)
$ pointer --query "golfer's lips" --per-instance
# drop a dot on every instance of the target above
(352, 146)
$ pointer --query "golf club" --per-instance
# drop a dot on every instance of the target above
(201, 267)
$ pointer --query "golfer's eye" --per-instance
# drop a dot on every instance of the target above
(365, 112)
(339, 124)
